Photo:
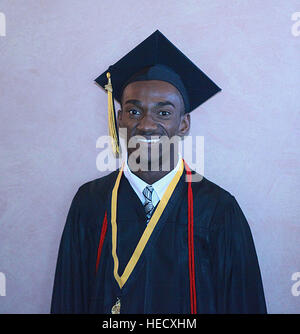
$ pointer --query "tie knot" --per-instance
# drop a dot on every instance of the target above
(147, 192)
(148, 205)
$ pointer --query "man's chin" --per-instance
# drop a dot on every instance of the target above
(149, 163)
(144, 163)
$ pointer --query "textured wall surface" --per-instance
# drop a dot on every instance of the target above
(51, 114)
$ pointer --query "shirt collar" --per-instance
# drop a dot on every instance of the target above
(159, 186)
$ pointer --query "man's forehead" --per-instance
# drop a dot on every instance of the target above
(151, 89)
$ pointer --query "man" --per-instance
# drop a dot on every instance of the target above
(153, 241)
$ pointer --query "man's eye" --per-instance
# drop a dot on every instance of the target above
(164, 113)
(134, 112)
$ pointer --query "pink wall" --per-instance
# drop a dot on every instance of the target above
(52, 114)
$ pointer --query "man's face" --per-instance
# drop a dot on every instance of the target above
(152, 109)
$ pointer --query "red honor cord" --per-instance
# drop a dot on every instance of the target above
(191, 242)
(102, 237)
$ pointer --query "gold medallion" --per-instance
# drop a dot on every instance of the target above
(117, 307)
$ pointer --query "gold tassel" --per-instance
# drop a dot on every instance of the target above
(111, 117)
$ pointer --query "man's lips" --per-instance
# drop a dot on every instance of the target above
(147, 139)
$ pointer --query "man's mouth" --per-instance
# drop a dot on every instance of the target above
(148, 141)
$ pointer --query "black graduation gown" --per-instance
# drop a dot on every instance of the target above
(227, 274)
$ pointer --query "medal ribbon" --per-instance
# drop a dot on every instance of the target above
(147, 232)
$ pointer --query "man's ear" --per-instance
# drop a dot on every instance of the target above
(119, 116)
(185, 124)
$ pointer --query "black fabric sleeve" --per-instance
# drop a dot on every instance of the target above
(70, 288)
(236, 272)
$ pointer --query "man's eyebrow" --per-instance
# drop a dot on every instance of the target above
(138, 103)
(164, 103)
(135, 102)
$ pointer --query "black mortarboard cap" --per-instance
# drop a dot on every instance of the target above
(156, 58)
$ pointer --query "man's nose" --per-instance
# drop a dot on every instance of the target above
(147, 124)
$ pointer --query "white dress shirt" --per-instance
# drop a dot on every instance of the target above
(159, 187)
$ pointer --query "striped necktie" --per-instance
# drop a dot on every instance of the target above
(148, 205)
